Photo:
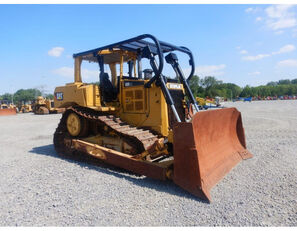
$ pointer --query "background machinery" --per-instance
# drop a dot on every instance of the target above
(25, 107)
(142, 121)
(206, 103)
(43, 106)
(7, 108)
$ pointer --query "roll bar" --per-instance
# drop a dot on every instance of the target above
(137, 44)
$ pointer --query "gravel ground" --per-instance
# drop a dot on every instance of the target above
(38, 188)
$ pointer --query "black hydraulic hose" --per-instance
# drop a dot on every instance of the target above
(159, 51)
(172, 59)
(186, 85)
(191, 62)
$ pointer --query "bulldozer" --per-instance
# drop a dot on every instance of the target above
(43, 106)
(7, 108)
(25, 107)
(206, 103)
(144, 122)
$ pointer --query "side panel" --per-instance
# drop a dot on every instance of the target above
(77, 93)
(144, 107)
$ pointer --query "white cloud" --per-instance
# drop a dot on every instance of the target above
(254, 73)
(258, 19)
(90, 74)
(280, 16)
(279, 32)
(252, 10)
(64, 71)
(255, 57)
(285, 49)
(287, 63)
(69, 73)
(55, 51)
(238, 47)
(248, 10)
(277, 11)
(282, 23)
(213, 70)
(243, 52)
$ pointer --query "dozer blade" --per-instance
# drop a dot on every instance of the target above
(7, 111)
(207, 148)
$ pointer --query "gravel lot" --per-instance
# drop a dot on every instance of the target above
(38, 188)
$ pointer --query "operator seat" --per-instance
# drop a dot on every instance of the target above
(109, 92)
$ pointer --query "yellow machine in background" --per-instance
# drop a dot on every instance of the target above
(7, 108)
(25, 108)
(202, 102)
(140, 121)
(209, 103)
(43, 106)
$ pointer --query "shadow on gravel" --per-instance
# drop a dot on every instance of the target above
(95, 164)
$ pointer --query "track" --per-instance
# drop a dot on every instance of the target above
(140, 139)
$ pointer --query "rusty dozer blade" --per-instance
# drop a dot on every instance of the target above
(207, 148)
(7, 111)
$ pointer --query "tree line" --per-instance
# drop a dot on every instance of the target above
(24, 95)
(208, 86)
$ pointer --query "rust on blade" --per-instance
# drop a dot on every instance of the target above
(214, 144)
(7, 111)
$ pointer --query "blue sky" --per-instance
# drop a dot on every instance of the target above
(243, 44)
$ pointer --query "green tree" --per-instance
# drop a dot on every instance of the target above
(284, 81)
(49, 96)
(208, 83)
(272, 83)
(246, 91)
(7, 96)
(26, 95)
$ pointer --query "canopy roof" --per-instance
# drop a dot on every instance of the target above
(132, 47)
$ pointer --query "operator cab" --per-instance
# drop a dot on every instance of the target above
(132, 52)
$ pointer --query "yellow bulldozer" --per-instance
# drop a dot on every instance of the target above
(25, 107)
(43, 106)
(206, 103)
(7, 108)
(147, 123)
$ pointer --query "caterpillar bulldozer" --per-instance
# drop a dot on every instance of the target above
(43, 106)
(7, 109)
(147, 123)
(25, 107)
(209, 103)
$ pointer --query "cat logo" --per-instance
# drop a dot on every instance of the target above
(59, 96)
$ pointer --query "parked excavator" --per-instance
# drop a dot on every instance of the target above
(145, 122)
